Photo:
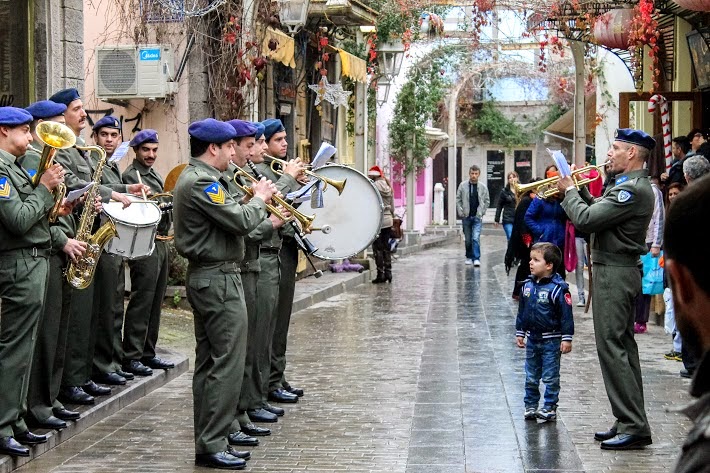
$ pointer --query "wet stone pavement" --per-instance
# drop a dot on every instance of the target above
(419, 376)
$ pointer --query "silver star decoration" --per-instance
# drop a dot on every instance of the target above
(331, 93)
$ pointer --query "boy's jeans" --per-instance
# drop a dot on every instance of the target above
(542, 361)
(472, 236)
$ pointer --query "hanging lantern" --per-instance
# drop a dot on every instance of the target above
(383, 90)
(611, 29)
(293, 14)
(389, 57)
(695, 5)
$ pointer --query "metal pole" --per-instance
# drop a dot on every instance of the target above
(451, 167)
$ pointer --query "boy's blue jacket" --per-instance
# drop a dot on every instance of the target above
(545, 309)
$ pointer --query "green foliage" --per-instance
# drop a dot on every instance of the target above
(553, 113)
(501, 130)
(396, 18)
(176, 298)
(177, 269)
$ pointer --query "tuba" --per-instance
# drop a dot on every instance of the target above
(81, 272)
(55, 136)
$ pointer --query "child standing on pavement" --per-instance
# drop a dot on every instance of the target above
(545, 318)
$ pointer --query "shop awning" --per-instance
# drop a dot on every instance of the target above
(565, 124)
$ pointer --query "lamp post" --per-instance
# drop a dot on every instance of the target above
(293, 14)
(383, 90)
(389, 57)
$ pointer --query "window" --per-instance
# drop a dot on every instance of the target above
(15, 62)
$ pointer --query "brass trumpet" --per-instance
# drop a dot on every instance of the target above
(548, 187)
(339, 185)
(305, 220)
(55, 136)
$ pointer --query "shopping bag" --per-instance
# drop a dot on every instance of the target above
(652, 282)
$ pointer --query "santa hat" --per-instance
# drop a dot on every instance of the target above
(375, 171)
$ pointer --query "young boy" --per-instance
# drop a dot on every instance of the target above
(545, 317)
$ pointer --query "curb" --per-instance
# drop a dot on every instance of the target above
(121, 397)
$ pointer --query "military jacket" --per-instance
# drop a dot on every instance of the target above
(23, 208)
(285, 184)
(80, 169)
(30, 160)
(695, 456)
(618, 220)
(152, 179)
(208, 220)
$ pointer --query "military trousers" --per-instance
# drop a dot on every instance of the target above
(252, 386)
(615, 291)
(109, 285)
(267, 289)
(80, 345)
(220, 318)
(149, 281)
(48, 359)
(23, 284)
(287, 287)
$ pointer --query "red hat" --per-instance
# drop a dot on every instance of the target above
(375, 171)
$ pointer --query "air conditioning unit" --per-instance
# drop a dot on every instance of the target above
(132, 72)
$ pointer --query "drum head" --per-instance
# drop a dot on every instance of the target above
(349, 222)
(139, 213)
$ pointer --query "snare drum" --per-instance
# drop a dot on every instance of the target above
(137, 226)
(347, 223)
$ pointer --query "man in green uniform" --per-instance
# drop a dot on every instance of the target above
(109, 281)
(25, 244)
(279, 389)
(149, 276)
(44, 410)
(618, 222)
(209, 230)
(77, 385)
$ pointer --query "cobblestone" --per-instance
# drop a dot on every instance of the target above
(419, 376)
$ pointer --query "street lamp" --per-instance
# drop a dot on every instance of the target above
(383, 90)
(293, 14)
(389, 57)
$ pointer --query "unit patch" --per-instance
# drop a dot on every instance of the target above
(624, 196)
(621, 180)
(526, 292)
(4, 188)
(32, 172)
(568, 298)
(215, 193)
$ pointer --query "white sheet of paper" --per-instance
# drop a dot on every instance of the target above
(120, 152)
(561, 163)
(76, 194)
(325, 152)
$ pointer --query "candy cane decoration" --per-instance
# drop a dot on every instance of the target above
(665, 123)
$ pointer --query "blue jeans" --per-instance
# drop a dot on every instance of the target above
(508, 229)
(472, 236)
(542, 361)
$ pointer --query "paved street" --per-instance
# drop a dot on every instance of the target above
(419, 376)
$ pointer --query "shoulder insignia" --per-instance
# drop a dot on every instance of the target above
(215, 193)
(526, 291)
(4, 188)
(624, 196)
(32, 172)
(621, 180)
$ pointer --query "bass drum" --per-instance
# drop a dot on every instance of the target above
(137, 226)
(349, 222)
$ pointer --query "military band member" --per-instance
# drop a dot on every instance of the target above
(44, 410)
(25, 244)
(209, 230)
(149, 276)
(618, 222)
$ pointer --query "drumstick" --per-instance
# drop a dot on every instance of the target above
(140, 181)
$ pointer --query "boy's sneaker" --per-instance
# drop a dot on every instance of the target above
(469, 262)
(547, 413)
(476, 263)
(530, 413)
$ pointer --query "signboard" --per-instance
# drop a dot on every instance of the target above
(149, 54)
(495, 174)
(523, 165)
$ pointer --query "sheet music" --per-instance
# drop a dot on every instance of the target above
(325, 152)
(76, 194)
(561, 162)
(120, 152)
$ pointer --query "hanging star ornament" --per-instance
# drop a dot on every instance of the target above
(331, 93)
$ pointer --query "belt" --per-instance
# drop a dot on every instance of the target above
(269, 251)
(251, 266)
(25, 253)
(224, 267)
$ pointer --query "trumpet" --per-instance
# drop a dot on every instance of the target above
(55, 136)
(339, 185)
(305, 220)
(548, 187)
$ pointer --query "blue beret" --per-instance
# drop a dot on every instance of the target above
(144, 136)
(65, 96)
(260, 129)
(13, 116)
(109, 121)
(243, 128)
(210, 130)
(271, 127)
(46, 109)
(635, 137)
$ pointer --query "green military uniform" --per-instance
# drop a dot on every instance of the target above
(25, 243)
(109, 289)
(618, 222)
(79, 357)
(209, 225)
(50, 347)
(149, 279)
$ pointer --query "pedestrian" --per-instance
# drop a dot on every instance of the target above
(472, 201)
(695, 167)
(507, 200)
(687, 266)
(696, 137)
(671, 327)
(618, 222)
(545, 320)
(518, 251)
(381, 246)
(679, 148)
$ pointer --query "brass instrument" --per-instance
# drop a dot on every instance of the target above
(55, 136)
(81, 272)
(548, 187)
(305, 220)
(339, 185)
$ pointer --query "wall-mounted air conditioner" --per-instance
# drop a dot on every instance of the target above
(130, 72)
